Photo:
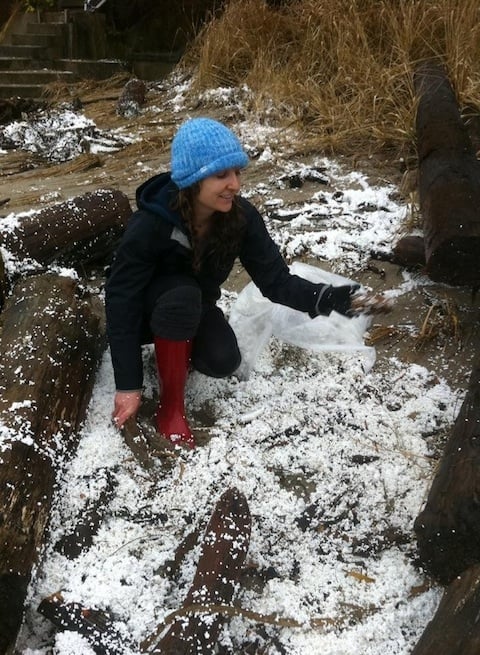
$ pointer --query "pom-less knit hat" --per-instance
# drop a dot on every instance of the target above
(203, 147)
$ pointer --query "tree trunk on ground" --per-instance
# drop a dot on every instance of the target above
(448, 528)
(455, 629)
(223, 553)
(51, 340)
(408, 251)
(449, 182)
(194, 629)
(79, 230)
(4, 286)
(90, 516)
(96, 626)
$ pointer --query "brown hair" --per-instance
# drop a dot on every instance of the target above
(225, 235)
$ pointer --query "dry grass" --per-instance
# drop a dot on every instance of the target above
(340, 70)
(441, 323)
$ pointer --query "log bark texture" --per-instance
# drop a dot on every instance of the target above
(449, 181)
(80, 230)
(455, 629)
(448, 528)
(51, 340)
(408, 251)
(223, 553)
(96, 626)
(89, 518)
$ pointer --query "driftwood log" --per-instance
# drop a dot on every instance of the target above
(194, 629)
(409, 251)
(96, 626)
(448, 180)
(89, 518)
(80, 230)
(51, 340)
(448, 528)
(455, 629)
(4, 284)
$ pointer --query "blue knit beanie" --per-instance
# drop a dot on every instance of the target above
(203, 147)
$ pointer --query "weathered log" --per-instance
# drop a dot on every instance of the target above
(224, 549)
(449, 181)
(4, 284)
(79, 230)
(51, 340)
(408, 251)
(455, 629)
(194, 629)
(448, 528)
(96, 626)
(89, 518)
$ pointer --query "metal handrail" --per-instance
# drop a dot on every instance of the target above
(92, 5)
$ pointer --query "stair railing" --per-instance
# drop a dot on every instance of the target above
(93, 5)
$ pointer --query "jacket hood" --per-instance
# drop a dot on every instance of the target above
(156, 195)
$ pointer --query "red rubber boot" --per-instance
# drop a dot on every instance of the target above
(173, 359)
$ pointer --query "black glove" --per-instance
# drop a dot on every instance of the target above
(338, 299)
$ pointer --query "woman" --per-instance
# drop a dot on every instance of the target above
(178, 248)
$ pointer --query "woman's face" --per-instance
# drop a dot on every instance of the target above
(217, 193)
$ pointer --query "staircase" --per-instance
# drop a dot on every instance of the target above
(40, 48)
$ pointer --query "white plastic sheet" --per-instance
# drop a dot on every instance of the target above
(255, 319)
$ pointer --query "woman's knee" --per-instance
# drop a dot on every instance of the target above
(219, 362)
(176, 313)
(215, 348)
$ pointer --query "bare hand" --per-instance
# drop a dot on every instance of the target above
(126, 404)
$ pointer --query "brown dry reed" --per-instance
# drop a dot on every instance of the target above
(341, 70)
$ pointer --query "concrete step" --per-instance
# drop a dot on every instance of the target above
(33, 39)
(21, 91)
(20, 63)
(46, 28)
(30, 83)
(41, 77)
(54, 17)
(93, 69)
(25, 52)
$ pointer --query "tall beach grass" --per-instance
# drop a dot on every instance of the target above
(341, 70)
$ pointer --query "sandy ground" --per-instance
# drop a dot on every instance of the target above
(431, 325)
(436, 326)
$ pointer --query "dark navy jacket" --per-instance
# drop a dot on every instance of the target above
(156, 242)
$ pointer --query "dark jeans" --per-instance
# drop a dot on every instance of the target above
(175, 311)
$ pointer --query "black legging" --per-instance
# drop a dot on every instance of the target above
(175, 311)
